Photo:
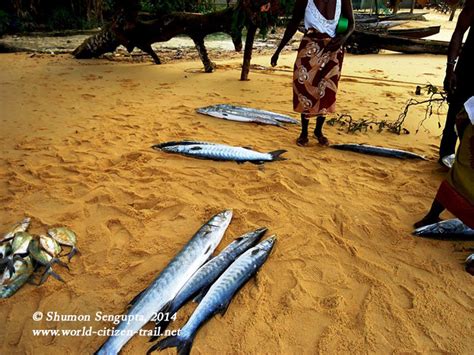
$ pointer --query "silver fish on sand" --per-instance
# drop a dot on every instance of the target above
(12, 282)
(20, 243)
(379, 151)
(65, 236)
(168, 283)
(200, 282)
(18, 227)
(246, 114)
(213, 151)
(50, 245)
(219, 296)
(451, 229)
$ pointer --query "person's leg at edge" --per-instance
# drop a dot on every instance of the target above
(303, 138)
(448, 142)
(318, 131)
(432, 216)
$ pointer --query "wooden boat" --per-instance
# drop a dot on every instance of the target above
(414, 32)
(369, 42)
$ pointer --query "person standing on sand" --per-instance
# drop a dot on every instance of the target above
(456, 193)
(458, 82)
(319, 61)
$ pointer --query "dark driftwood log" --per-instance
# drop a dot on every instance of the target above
(143, 33)
(102, 42)
(366, 42)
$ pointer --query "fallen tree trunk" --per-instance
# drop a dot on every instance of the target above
(143, 33)
(102, 42)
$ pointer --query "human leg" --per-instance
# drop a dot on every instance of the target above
(318, 131)
(432, 216)
(303, 138)
(448, 142)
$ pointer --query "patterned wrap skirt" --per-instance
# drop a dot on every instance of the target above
(316, 75)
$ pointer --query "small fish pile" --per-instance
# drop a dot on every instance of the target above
(246, 114)
(21, 254)
(379, 151)
(192, 275)
(221, 152)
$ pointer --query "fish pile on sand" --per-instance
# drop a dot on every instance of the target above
(191, 275)
(21, 254)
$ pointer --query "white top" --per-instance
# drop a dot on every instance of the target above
(469, 106)
(314, 19)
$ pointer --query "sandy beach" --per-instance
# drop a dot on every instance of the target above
(346, 276)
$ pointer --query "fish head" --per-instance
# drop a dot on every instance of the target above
(215, 228)
(63, 236)
(21, 241)
(18, 227)
(221, 220)
(261, 251)
(248, 239)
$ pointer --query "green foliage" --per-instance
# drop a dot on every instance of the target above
(23, 15)
(166, 6)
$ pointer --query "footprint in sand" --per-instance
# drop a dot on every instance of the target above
(88, 96)
(120, 234)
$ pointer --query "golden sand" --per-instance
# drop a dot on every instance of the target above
(346, 276)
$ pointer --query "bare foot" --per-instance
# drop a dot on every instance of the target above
(302, 141)
(427, 220)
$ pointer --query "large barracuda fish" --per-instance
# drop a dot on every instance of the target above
(451, 229)
(209, 272)
(168, 283)
(246, 114)
(219, 296)
(212, 151)
(380, 151)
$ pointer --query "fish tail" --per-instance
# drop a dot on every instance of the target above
(160, 327)
(59, 262)
(73, 252)
(49, 271)
(276, 154)
(10, 265)
(184, 345)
